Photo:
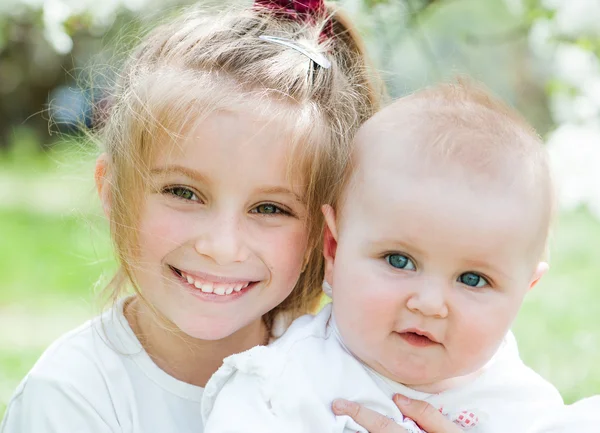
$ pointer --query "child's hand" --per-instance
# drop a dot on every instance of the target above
(430, 420)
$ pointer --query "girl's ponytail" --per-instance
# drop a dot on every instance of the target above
(345, 32)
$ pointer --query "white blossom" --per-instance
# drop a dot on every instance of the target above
(56, 13)
(575, 154)
(541, 37)
(575, 18)
(575, 65)
(575, 106)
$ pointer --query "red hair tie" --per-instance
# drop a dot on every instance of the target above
(299, 10)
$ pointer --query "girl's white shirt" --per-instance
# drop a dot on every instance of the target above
(98, 379)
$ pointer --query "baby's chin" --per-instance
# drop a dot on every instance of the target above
(429, 379)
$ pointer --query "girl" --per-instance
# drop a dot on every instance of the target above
(225, 136)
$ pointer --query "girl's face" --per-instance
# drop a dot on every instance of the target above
(222, 232)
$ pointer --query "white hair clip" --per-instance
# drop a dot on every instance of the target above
(317, 58)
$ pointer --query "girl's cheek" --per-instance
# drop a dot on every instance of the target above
(289, 248)
(163, 228)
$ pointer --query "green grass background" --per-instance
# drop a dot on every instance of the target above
(55, 254)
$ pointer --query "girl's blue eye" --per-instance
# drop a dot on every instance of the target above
(471, 279)
(400, 261)
(181, 192)
(268, 209)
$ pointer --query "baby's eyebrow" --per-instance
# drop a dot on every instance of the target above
(479, 264)
(406, 245)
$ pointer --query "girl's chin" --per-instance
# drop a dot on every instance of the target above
(213, 330)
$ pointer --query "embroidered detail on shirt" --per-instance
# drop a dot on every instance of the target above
(466, 419)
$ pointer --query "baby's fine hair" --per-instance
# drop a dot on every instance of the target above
(201, 62)
(462, 124)
(463, 120)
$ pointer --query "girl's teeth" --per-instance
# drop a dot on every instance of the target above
(207, 287)
(216, 288)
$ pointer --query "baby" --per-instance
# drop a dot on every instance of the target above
(440, 232)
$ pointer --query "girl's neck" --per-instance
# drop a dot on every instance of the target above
(185, 358)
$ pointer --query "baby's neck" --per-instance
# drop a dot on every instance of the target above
(185, 358)
(447, 384)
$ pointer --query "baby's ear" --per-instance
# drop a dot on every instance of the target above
(540, 270)
(102, 182)
(329, 241)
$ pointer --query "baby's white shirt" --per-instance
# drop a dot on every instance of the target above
(98, 379)
(289, 387)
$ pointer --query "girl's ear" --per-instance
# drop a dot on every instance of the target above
(102, 182)
(329, 241)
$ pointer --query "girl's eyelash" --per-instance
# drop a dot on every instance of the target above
(171, 191)
(279, 210)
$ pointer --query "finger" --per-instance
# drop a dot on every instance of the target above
(428, 417)
(373, 421)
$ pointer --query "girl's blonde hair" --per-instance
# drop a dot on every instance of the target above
(202, 62)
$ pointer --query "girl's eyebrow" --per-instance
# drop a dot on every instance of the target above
(199, 177)
(280, 190)
(179, 169)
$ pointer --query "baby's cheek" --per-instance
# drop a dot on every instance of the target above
(476, 340)
(367, 308)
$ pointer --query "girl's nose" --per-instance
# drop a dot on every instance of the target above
(222, 240)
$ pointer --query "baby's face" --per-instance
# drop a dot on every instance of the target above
(430, 267)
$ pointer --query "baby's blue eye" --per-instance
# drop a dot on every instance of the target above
(472, 280)
(400, 261)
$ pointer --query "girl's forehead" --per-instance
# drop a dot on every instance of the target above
(231, 144)
(235, 131)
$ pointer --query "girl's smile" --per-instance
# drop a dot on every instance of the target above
(223, 288)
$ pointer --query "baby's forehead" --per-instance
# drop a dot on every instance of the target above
(464, 143)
